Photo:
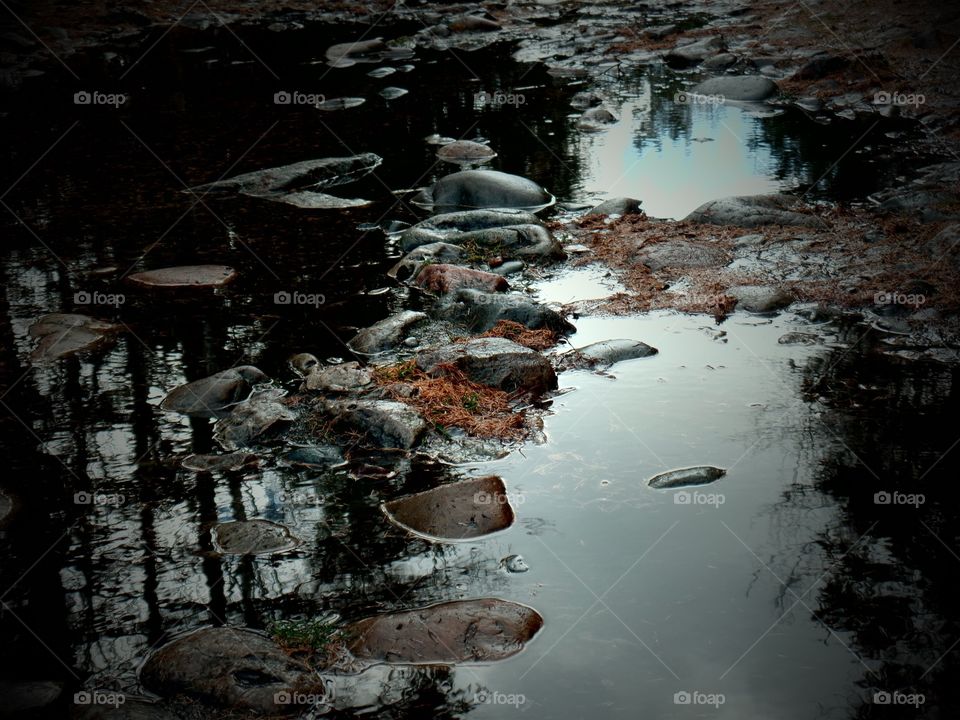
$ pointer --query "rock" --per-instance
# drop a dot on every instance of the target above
(299, 184)
(437, 139)
(20, 697)
(211, 396)
(444, 279)
(59, 335)
(185, 276)
(821, 65)
(382, 72)
(340, 103)
(390, 424)
(473, 189)
(496, 362)
(482, 630)
(251, 420)
(586, 99)
(692, 53)
(799, 338)
(322, 456)
(754, 211)
(386, 334)
(514, 564)
(359, 48)
(681, 254)
(472, 23)
(760, 298)
(465, 151)
(596, 118)
(342, 378)
(455, 511)
(480, 311)
(252, 537)
(739, 88)
(392, 93)
(229, 668)
(617, 206)
(686, 477)
(419, 257)
(219, 463)
(509, 268)
(720, 61)
(510, 233)
(604, 354)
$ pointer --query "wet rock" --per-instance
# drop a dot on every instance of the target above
(300, 184)
(691, 53)
(686, 477)
(596, 118)
(473, 23)
(360, 48)
(799, 338)
(381, 72)
(460, 510)
(252, 537)
(760, 298)
(681, 254)
(511, 233)
(342, 378)
(754, 211)
(604, 354)
(219, 463)
(586, 99)
(480, 311)
(229, 668)
(496, 362)
(740, 88)
(509, 268)
(658, 32)
(473, 189)
(437, 139)
(185, 276)
(392, 93)
(720, 61)
(317, 456)
(252, 420)
(617, 206)
(419, 257)
(59, 335)
(339, 103)
(465, 151)
(389, 424)
(444, 279)
(211, 396)
(514, 564)
(385, 334)
(482, 630)
(20, 697)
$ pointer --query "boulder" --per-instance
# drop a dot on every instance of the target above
(388, 423)
(252, 420)
(343, 378)
(473, 189)
(386, 334)
(617, 206)
(496, 362)
(755, 211)
(739, 88)
(416, 259)
(212, 396)
(444, 279)
(480, 311)
(465, 151)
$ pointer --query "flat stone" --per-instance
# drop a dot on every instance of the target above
(496, 362)
(604, 354)
(60, 335)
(760, 298)
(617, 206)
(388, 423)
(754, 211)
(742, 88)
(185, 276)
(252, 537)
(386, 334)
(681, 254)
(443, 279)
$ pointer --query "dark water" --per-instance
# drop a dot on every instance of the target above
(796, 597)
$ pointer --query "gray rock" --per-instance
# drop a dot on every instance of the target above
(392, 93)
(252, 537)
(739, 88)
(388, 423)
(681, 254)
(497, 362)
(229, 668)
(760, 298)
(359, 48)
(480, 311)
(754, 211)
(596, 118)
(604, 354)
(509, 268)
(586, 99)
(213, 396)
(414, 261)
(617, 206)
(473, 189)
(317, 456)
(686, 477)
(59, 335)
(251, 420)
(386, 334)
(692, 53)
(343, 378)
(720, 61)
(799, 338)
(466, 151)
(508, 233)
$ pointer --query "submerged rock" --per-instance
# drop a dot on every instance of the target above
(385, 334)
(223, 463)
(480, 311)
(211, 396)
(617, 206)
(185, 276)
(604, 354)
(455, 511)
(60, 334)
(760, 298)
(754, 211)
(229, 668)
(473, 189)
(360, 48)
(482, 630)
(251, 420)
(496, 362)
(740, 88)
(465, 151)
(686, 477)
(444, 279)
(252, 537)
(388, 423)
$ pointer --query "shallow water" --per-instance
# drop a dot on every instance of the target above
(782, 586)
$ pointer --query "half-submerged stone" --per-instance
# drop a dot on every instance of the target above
(686, 477)
(212, 396)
